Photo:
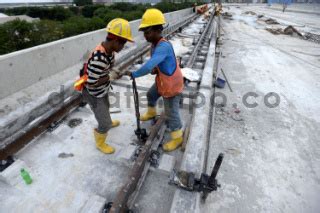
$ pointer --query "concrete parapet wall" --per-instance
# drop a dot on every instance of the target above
(26, 67)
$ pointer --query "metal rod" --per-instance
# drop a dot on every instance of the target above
(216, 168)
(225, 77)
(212, 178)
(136, 102)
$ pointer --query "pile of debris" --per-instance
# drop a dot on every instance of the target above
(290, 30)
(271, 21)
(250, 13)
(227, 15)
(267, 20)
(275, 31)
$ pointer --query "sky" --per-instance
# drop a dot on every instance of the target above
(27, 1)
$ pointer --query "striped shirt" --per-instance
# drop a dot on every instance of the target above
(99, 66)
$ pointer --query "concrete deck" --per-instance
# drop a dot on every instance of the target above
(272, 161)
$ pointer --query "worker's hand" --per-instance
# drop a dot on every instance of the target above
(154, 71)
(128, 73)
(118, 76)
(114, 76)
(113, 69)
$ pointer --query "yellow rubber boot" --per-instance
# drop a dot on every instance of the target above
(115, 123)
(175, 142)
(100, 143)
(149, 114)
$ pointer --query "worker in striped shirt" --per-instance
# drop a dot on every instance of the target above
(97, 84)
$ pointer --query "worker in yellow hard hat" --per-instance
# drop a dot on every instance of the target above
(194, 7)
(96, 76)
(169, 80)
(217, 9)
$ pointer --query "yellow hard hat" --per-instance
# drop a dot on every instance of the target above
(120, 27)
(152, 17)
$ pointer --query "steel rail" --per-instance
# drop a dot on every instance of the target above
(194, 53)
(127, 194)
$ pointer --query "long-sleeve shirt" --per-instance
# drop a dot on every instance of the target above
(98, 67)
(162, 56)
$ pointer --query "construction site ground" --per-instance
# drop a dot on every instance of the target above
(272, 161)
(272, 154)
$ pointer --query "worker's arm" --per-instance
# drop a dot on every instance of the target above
(160, 53)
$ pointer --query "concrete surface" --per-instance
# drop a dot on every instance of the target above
(166, 163)
(306, 22)
(312, 8)
(272, 159)
(11, 176)
(68, 184)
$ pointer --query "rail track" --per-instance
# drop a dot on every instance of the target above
(127, 195)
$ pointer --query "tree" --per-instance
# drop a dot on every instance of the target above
(88, 10)
(16, 35)
(75, 25)
(47, 31)
(82, 2)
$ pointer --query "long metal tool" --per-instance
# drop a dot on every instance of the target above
(141, 133)
(212, 182)
(225, 77)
